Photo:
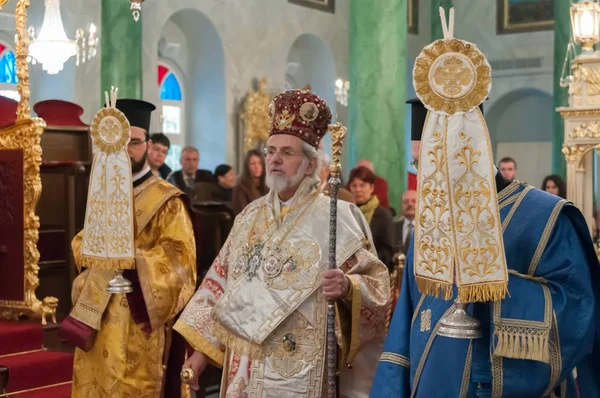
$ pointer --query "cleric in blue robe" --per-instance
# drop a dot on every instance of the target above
(549, 322)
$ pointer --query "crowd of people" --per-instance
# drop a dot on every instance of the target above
(553, 184)
(518, 261)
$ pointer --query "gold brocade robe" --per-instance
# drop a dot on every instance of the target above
(124, 361)
(263, 318)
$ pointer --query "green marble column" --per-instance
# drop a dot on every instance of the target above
(562, 32)
(121, 50)
(436, 23)
(378, 90)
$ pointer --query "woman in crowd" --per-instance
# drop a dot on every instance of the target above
(362, 185)
(251, 184)
(225, 176)
(555, 185)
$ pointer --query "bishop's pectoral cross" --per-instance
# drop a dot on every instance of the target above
(254, 261)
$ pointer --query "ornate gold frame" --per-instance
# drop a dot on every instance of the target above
(26, 134)
(504, 26)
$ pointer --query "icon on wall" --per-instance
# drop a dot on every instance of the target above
(323, 5)
(516, 16)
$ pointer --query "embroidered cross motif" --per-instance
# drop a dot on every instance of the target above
(425, 320)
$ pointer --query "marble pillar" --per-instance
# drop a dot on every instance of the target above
(121, 50)
(562, 33)
(378, 90)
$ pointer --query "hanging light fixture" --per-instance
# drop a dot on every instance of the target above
(52, 48)
(136, 8)
(585, 20)
(342, 91)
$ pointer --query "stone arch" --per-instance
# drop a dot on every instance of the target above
(521, 126)
(202, 78)
(311, 61)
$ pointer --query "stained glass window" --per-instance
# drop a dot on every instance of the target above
(172, 114)
(171, 122)
(170, 89)
(8, 68)
(8, 74)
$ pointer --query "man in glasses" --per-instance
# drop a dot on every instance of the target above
(128, 355)
(261, 310)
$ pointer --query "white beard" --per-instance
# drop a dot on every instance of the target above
(280, 183)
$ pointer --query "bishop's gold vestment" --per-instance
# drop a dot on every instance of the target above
(125, 360)
(260, 312)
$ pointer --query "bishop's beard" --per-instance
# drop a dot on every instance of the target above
(280, 183)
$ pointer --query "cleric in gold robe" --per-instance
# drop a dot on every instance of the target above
(128, 356)
(260, 313)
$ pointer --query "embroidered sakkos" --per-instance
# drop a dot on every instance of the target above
(267, 328)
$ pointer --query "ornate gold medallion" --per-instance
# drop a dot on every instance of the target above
(452, 76)
(272, 265)
(309, 112)
(239, 265)
(110, 130)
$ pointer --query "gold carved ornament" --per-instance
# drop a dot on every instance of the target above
(458, 239)
(25, 134)
(255, 116)
(581, 140)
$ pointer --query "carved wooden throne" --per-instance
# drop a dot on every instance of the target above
(20, 188)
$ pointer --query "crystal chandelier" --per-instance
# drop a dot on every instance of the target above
(52, 48)
(342, 89)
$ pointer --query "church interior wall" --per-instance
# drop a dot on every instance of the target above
(205, 100)
(522, 63)
(519, 129)
(310, 61)
(256, 41)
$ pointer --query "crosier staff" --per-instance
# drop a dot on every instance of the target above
(338, 132)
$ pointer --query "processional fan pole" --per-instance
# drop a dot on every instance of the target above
(338, 132)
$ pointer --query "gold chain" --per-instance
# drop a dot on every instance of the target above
(252, 234)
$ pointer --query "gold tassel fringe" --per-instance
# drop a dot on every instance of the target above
(435, 289)
(237, 344)
(108, 263)
(532, 345)
(483, 292)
